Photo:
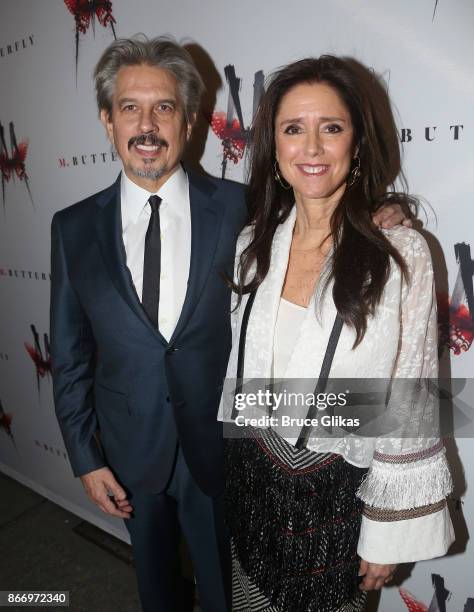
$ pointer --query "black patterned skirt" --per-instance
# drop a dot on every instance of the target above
(294, 521)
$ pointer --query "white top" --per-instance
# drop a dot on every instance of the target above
(289, 320)
(175, 225)
(400, 342)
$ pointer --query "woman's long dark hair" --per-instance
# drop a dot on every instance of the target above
(361, 253)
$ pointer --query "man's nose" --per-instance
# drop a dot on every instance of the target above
(148, 121)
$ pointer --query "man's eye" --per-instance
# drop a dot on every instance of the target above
(292, 129)
(165, 108)
(129, 107)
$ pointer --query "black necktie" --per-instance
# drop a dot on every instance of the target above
(152, 263)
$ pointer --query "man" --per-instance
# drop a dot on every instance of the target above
(140, 325)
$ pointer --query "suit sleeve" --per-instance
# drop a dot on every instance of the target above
(72, 357)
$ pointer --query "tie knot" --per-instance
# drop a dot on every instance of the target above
(155, 202)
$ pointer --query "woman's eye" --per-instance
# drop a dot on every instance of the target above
(292, 129)
(333, 128)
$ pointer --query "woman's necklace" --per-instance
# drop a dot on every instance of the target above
(304, 269)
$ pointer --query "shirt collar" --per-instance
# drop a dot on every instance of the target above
(134, 198)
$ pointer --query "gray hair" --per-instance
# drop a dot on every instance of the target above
(161, 52)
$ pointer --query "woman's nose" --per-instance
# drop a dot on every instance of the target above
(313, 144)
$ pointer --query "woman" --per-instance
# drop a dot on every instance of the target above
(317, 525)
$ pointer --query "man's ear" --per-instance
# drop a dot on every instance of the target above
(189, 126)
(106, 121)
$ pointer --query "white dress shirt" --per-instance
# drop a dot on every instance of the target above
(175, 226)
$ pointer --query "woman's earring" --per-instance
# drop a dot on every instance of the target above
(278, 177)
(355, 173)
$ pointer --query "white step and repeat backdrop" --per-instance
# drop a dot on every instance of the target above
(54, 153)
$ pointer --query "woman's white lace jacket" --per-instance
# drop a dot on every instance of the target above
(405, 517)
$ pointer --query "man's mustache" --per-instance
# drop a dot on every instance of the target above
(151, 140)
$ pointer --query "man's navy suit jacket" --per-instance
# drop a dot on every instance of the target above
(113, 371)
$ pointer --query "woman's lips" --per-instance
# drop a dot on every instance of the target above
(313, 169)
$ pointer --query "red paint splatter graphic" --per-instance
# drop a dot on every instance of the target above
(456, 313)
(229, 127)
(43, 368)
(438, 601)
(6, 423)
(86, 12)
(12, 163)
(412, 604)
(41, 360)
(15, 163)
(456, 328)
(232, 136)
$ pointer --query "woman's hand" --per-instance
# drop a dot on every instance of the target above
(375, 575)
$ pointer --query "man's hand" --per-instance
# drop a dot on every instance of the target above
(390, 215)
(375, 575)
(102, 488)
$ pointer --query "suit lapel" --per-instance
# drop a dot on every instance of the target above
(206, 219)
(108, 228)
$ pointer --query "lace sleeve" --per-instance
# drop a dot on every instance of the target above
(405, 516)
